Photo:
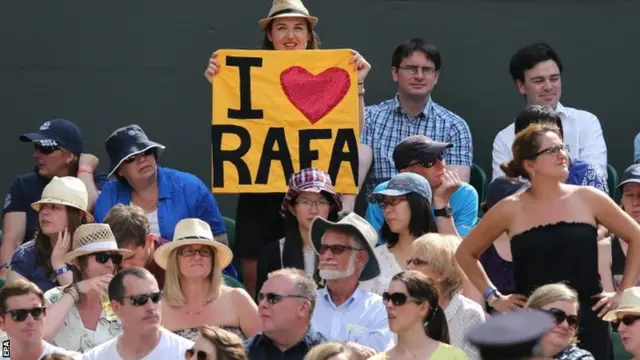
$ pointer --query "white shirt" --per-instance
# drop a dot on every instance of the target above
(463, 314)
(389, 267)
(582, 133)
(170, 347)
(48, 349)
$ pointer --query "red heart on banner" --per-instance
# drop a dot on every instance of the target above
(315, 95)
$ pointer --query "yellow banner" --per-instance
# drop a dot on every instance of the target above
(276, 112)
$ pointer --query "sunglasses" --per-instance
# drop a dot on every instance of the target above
(560, 316)
(131, 158)
(430, 163)
(392, 201)
(397, 299)
(200, 355)
(274, 298)
(335, 249)
(20, 315)
(46, 150)
(627, 320)
(417, 262)
(103, 257)
(141, 299)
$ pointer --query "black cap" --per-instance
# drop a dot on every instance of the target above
(57, 132)
(417, 148)
(501, 187)
(512, 335)
(630, 175)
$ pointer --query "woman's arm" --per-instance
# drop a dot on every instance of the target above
(58, 307)
(247, 312)
(604, 264)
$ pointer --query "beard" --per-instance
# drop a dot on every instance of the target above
(330, 274)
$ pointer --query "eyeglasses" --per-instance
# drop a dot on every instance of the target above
(20, 315)
(204, 251)
(397, 299)
(430, 163)
(200, 354)
(103, 257)
(417, 262)
(132, 158)
(46, 150)
(553, 151)
(426, 70)
(560, 316)
(274, 298)
(628, 320)
(335, 249)
(141, 299)
(392, 201)
(309, 203)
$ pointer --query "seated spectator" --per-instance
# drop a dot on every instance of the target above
(135, 299)
(310, 194)
(417, 319)
(406, 202)
(434, 256)
(22, 318)
(58, 152)
(77, 320)
(62, 208)
(625, 317)
(345, 312)
(330, 351)
(636, 149)
(165, 195)
(455, 203)
(216, 343)
(562, 303)
(194, 292)
(612, 251)
(285, 303)
(131, 229)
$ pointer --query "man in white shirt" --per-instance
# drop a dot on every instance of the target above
(22, 318)
(536, 71)
(135, 298)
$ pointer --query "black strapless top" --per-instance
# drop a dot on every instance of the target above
(561, 252)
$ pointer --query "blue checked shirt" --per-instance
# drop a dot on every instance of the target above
(386, 124)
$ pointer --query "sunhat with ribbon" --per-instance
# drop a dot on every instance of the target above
(67, 190)
(288, 8)
(127, 142)
(193, 232)
(355, 225)
(312, 180)
(91, 239)
(629, 302)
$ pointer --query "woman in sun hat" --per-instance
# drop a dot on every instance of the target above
(76, 318)
(166, 195)
(288, 26)
(310, 194)
(61, 209)
(194, 293)
(626, 317)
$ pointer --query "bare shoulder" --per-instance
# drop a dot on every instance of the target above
(589, 193)
(235, 294)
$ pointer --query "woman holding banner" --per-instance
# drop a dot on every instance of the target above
(288, 26)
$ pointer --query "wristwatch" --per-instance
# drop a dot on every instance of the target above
(493, 297)
(444, 212)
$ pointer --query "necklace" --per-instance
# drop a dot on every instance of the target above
(198, 312)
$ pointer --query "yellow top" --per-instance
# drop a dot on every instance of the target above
(443, 352)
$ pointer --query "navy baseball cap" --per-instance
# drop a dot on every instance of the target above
(501, 187)
(630, 175)
(417, 148)
(57, 132)
(402, 184)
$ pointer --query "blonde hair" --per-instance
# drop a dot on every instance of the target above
(172, 292)
(439, 251)
(551, 293)
(327, 351)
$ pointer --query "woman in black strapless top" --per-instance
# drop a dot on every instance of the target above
(553, 231)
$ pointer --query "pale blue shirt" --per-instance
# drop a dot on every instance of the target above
(361, 319)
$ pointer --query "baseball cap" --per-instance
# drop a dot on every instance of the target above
(630, 175)
(57, 132)
(417, 148)
(501, 187)
(402, 184)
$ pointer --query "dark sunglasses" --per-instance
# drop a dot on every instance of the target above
(200, 355)
(561, 316)
(417, 262)
(20, 315)
(430, 163)
(103, 257)
(131, 158)
(335, 249)
(628, 320)
(46, 150)
(397, 299)
(141, 299)
(274, 298)
(392, 201)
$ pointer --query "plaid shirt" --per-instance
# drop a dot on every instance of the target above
(386, 124)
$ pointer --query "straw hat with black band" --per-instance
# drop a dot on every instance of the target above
(288, 8)
(127, 142)
(68, 191)
(193, 232)
(93, 238)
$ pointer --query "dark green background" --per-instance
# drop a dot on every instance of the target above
(107, 64)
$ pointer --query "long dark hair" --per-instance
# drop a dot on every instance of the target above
(75, 218)
(421, 222)
(314, 43)
(422, 288)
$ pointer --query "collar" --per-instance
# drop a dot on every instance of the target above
(454, 306)
(164, 191)
(357, 294)
(425, 111)
(560, 109)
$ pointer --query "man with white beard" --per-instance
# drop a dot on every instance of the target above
(344, 311)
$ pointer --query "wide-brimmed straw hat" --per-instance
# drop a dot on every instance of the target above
(193, 232)
(91, 239)
(67, 190)
(288, 8)
(355, 225)
(312, 180)
(630, 302)
(128, 141)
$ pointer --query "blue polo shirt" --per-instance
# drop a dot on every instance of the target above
(24, 262)
(181, 195)
(27, 189)
(463, 202)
